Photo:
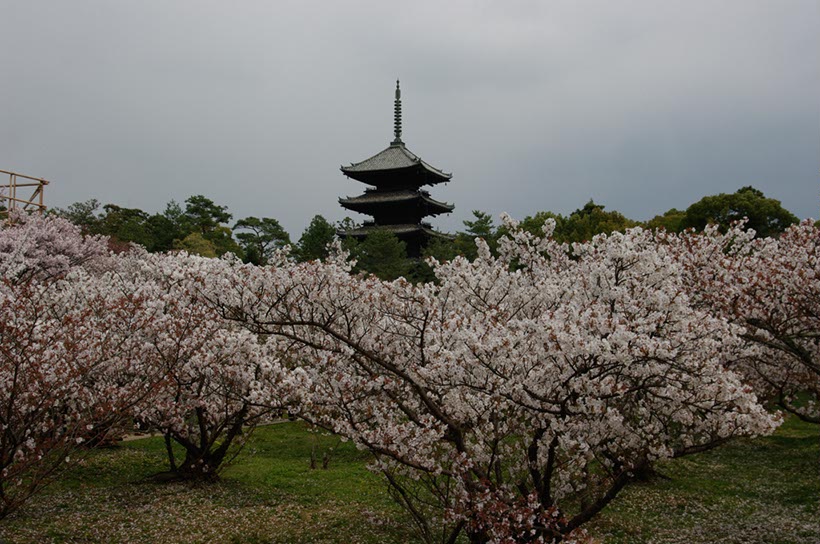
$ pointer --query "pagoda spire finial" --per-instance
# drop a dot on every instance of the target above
(397, 117)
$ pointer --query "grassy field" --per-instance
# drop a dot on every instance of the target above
(765, 490)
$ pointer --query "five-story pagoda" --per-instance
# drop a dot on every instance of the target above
(396, 202)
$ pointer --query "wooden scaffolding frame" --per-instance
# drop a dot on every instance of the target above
(12, 194)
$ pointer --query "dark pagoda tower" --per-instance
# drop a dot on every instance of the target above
(396, 200)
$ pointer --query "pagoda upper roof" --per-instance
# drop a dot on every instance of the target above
(395, 159)
(371, 198)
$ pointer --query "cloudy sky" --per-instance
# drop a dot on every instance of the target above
(641, 105)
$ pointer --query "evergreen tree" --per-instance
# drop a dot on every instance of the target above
(583, 224)
(204, 215)
(765, 215)
(671, 221)
(261, 238)
(83, 214)
(126, 225)
(480, 227)
(383, 255)
(315, 239)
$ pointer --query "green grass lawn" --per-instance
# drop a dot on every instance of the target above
(749, 491)
(764, 490)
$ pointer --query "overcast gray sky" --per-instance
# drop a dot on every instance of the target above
(641, 105)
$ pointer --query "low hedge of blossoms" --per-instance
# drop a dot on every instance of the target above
(510, 401)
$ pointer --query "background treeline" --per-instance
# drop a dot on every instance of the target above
(203, 227)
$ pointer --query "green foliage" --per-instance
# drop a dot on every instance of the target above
(383, 255)
(196, 244)
(765, 215)
(671, 221)
(163, 233)
(203, 215)
(83, 214)
(580, 226)
(440, 249)
(315, 239)
(583, 224)
(480, 227)
(126, 225)
(534, 224)
(263, 237)
(159, 232)
(464, 245)
(222, 239)
(259, 237)
(168, 226)
(345, 224)
(419, 272)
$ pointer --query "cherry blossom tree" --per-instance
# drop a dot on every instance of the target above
(781, 309)
(89, 341)
(33, 245)
(62, 342)
(48, 349)
(219, 380)
(512, 400)
(71, 347)
(771, 287)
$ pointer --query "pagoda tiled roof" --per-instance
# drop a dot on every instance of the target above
(369, 228)
(395, 157)
(384, 197)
